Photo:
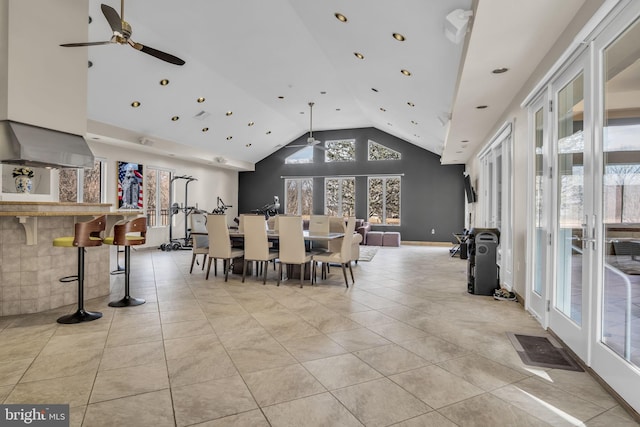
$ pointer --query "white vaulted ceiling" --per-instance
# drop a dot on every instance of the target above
(266, 60)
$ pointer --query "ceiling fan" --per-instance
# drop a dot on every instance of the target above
(122, 33)
(311, 141)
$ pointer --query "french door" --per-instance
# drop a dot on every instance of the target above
(584, 234)
(616, 348)
(539, 231)
(573, 217)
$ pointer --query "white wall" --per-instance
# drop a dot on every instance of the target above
(213, 182)
(518, 117)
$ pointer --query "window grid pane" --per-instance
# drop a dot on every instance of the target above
(68, 188)
(340, 151)
(92, 184)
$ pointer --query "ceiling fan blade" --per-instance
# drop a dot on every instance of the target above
(112, 17)
(157, 53)
(85, 44)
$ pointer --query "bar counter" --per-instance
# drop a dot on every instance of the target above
(30, 265)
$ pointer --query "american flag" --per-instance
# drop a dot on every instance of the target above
(137, 171)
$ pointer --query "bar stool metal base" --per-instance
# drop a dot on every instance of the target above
(127, 301)
(79, 316)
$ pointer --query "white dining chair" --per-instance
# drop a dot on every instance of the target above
(256, 245)
(220, 244)
(319, 224)
(292, 250)
(199, 239)
(342, 256)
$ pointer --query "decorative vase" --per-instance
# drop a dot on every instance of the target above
(23, 184)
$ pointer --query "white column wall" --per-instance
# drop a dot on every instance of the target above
(46, 83)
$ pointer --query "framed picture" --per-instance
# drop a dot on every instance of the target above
(130, 186)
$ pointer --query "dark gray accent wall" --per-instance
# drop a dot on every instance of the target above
(432, 195)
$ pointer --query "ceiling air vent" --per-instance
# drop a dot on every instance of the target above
(202, 115)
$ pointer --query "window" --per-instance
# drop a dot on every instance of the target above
(380, 152)
(340, 197)
(83, 185)
(299, 196)
(157, 191)
(340, 151)
(384, 200)
(300, 157)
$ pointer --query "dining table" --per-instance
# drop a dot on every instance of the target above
(273, 235)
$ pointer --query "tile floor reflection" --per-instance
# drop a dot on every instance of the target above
(405, 346)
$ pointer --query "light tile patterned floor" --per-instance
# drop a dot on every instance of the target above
(406, 346)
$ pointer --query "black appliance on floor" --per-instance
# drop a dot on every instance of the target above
(483, 274)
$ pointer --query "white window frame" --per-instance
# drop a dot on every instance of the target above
(286, 194)
(369, 159)
(340, 179)
(103, 181)
(384, 210)
(171, 172)
(327, 146)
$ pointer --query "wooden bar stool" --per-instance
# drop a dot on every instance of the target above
(86, 234)
(131, 233)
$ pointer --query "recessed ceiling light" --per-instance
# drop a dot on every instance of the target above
(338, 109)
(382, 109)
(301, 112)
(406, 72)
(414, 122)
(399, 37)
(164, 82)
(268, 132)
(358, 55)
(250, 124)
(201, 99)
(340, 17)
(228, 113)
(205, 129)
(374, 89)
(481, 107)
(389, 124)
(500, 70)
(281, 97)
(175, 118)
(411, 104)
(229, 138)
(323, 92)
(90, 64)
(135, 104)
(248, 145)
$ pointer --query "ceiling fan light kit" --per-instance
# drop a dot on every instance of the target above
(122, 35)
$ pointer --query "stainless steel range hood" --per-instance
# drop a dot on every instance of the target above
(29, 145)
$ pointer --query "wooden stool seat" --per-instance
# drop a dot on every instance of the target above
(127, 234)
(87, 234)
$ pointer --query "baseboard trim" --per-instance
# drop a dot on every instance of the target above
(420, 243)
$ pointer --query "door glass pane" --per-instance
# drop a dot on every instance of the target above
(540, 228)
(621, 196)
(568, 292)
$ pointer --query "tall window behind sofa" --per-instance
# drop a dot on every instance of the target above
(340, 196)
(384, 200)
